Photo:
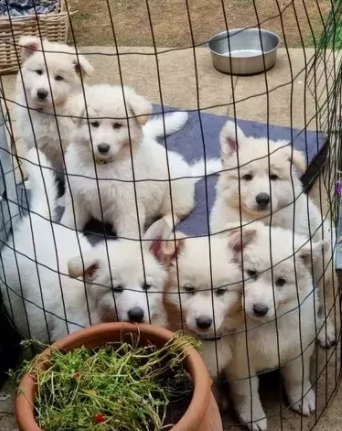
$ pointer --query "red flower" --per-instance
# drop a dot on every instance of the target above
(99, 418)
(76, 375)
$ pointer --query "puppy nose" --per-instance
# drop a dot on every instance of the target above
(260, 309)
(136, 314)
(204, 322)
(42, 94)
(103, 148)
(262, 199)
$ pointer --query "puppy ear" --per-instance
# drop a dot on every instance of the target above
(83, 266)
(29, 45)
(239, 238)
(155, 236)
(172, 248)
(82, 66)
(231, 137)
(140, 106)
(310, 253)
(296, 158)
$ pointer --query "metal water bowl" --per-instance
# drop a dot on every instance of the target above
(244, 51)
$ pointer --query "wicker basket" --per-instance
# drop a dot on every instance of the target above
(53, 26)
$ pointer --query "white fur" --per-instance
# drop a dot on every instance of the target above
(289, 207)
(165, 125)
(34, 274)
(124, 276)
(136, 173)
(288, 326)
(201, 287)
(54, 68)
(60, 252)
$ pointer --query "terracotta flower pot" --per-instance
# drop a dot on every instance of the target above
(202, 413)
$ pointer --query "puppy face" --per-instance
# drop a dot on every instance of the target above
(123, 284)
(266, 180)
(109, 131)
(274, 285)
(207, 294)
(50, 72)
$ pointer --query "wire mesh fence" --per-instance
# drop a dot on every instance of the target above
(214, 211)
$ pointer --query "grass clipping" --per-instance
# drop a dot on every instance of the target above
(119, 387)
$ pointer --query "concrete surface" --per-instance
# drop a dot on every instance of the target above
(289, 103)
(186, 79)
(184, 85)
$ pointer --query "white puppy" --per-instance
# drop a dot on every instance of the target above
(49, 76)
(203, 293)
(118, 173)
(125, 278)
(279, 327)
(42, 299)
(260, 180)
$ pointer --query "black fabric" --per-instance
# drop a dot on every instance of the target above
(9, 345)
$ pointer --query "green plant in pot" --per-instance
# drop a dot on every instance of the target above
(117, 376)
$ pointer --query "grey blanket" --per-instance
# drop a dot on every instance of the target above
(200, 138)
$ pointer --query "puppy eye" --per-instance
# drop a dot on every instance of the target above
(95, 124)
(274, 177)
(220, 291)
(280, 282)
(247, 177)
(146, 286)
(39, 72)
(189, 289)
(118, 288)
(251, 273)
(59, 78)
(117, 126)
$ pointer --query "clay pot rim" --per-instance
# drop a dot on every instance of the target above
(192, 418)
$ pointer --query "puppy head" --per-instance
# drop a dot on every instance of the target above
(50, 72)
(277, 269)
(257, 172)
(126, 285)
(116, 116)
(204, 290)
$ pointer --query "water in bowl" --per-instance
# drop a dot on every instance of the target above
(244, 53)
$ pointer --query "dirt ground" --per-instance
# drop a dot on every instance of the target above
(181, 23)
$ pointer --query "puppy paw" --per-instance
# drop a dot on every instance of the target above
(304, 405)
(259, 425)
(327, 337)
(256, 423)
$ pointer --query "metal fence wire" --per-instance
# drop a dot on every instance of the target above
(214, 211)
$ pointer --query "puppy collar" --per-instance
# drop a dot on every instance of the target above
(40, 110)
(101, 161)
